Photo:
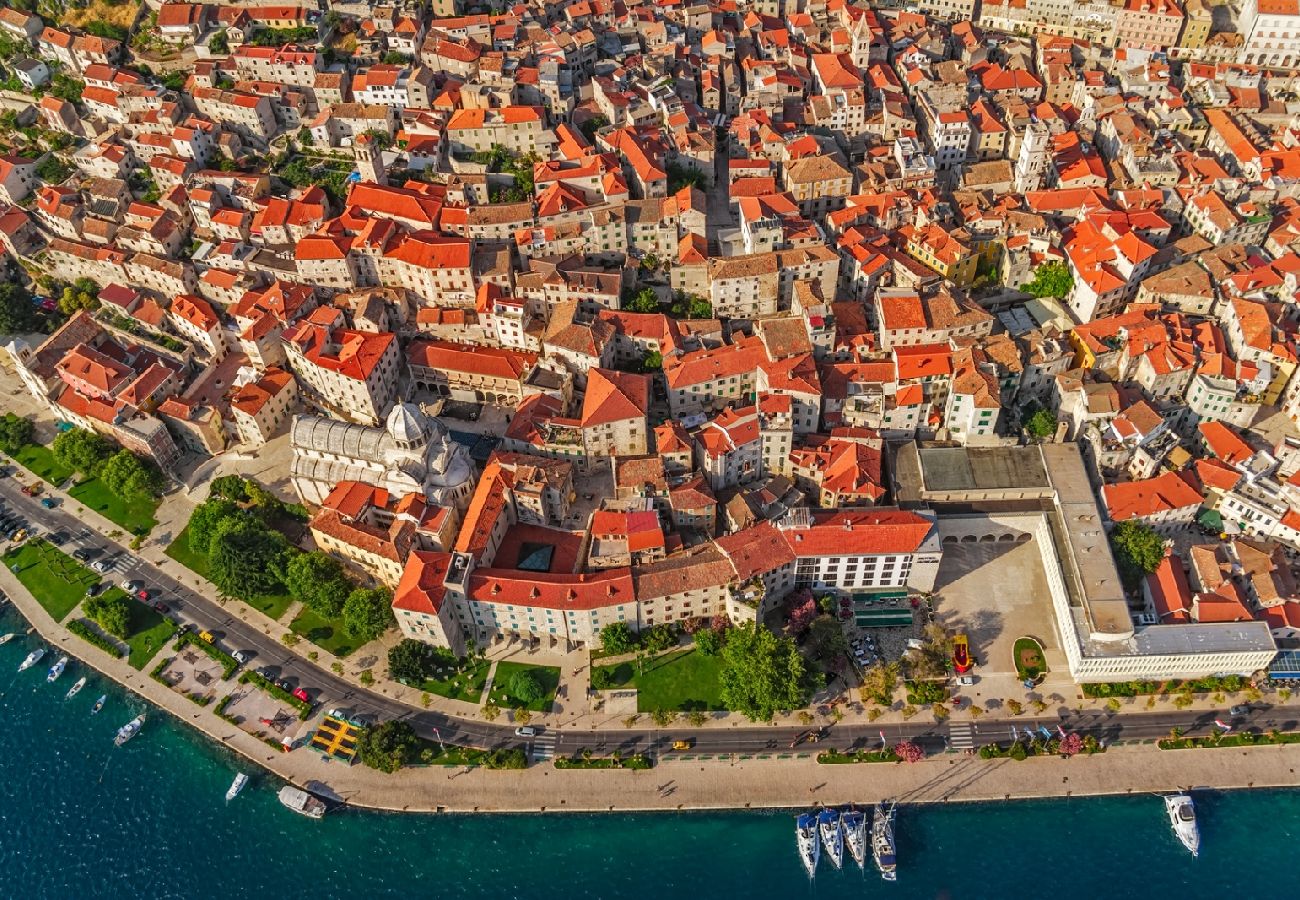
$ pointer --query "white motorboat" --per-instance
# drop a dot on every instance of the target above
(6, 638)
(236, 786)
(302, 802)
(805, 834)
(854, 824)
(99, 704)
(828, 826)
(882, 842)
(1182, 818)
(76, 688)
(32, 659)
(129, 730)
(57, 669)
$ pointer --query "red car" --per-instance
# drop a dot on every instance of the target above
(301, 694)
(142, 595)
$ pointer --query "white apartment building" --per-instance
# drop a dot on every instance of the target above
(1272, 32)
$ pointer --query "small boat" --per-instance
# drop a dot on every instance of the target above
(6, 638)
(32, 659)
(805, 833)
(99, 704)
(882, 842)
(76, 688)
(301, 802)
(129, 730)
(236, 786)
(854, 824)
(57, 669)
(828, 825)
(1182, 818)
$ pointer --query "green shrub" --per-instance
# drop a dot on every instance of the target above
(91, 636)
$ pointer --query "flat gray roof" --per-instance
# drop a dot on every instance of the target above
(1225, 637)
(982, 468)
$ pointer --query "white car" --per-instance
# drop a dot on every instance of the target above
(101, 566)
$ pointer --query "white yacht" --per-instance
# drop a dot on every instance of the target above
(236, 786)
(805, 833)
(32, 659)
(57, 669)
(1182, 818)
(129, 730)
(76, 688)
(302, 802)
(6, 638)
(882, 842)
(828, 826)
(854, 823)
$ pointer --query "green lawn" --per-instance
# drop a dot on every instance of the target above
(136, 516)
(40, 462)
(675, 681)
(549, 676)
(273, 605)
(150, 632)
(1029, 660)
(466, 685)
(56, 580)
(328, 634)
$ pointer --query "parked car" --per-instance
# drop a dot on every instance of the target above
(48, 502)
(131, 585)
(19, 536)
(101, 566)
(285, 685)
(82, 553)
(57, 538)
(683, 745)
(1241, 709)
(207, 636)
(240, 656)
(526, 731)
(142, 595)
(95, 589)
(301, 694)
(161, 607)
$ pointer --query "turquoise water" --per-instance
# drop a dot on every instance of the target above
(79, 818)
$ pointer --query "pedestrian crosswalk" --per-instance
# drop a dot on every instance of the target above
(961, 736)
(543, 747)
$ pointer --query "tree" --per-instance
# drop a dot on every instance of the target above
(646, 300)
(525, 687)
(801, 617)
(1138, 550)
(826, 639)
(232, 487)
(589, 127)
(112, 614)
(680, 176)
(1071, 744)
(617, 638)
(368, 612)
(408, 661)
(1051, 279)
(100, 28)
(15, 432)
(387, 746)
(81, 450)
(53, 170)
(708, 642)
(16, 311)
(658, 639)
(1042, 424)
(204, 521)
(761, 673)
(931, 661)
(1015, 707)
(129, 477)
(907, 751)
(880, 681)
(318, 580)
(653, 361)
(246, 557)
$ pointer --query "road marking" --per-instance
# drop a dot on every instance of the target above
(543, 747)
(961, 736)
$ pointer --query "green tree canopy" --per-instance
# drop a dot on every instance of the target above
(653, 362)
(16, 311)
(318, 580)
(1041, 424)
(879, 682)
(81, 450)
(232, 487)
(15, 432)
(368, 612)
(826, 639)
(111, 613)
(708, 641)
(617, 638)
(204, 521)
(130, 477)
(525, 687)
(1051, 279)
(645, 301)
(658, 638)
(761, 673)
(246, 557)
(408, 660)
(1138, 550)
(387, 746)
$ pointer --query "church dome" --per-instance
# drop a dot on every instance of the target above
(407, 425)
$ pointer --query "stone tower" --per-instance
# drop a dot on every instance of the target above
(370, 159)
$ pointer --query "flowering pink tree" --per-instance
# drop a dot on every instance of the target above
(802, 615)
(694, 624)
(909, 752)
(1071, 744)
(720, 623)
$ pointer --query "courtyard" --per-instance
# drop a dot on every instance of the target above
(992, 587)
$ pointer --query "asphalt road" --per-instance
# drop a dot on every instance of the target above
(189, 606)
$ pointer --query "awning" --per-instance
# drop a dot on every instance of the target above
(1211, 520)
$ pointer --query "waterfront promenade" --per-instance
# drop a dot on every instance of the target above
(678, 784)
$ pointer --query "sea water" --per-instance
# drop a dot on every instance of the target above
(80, 818)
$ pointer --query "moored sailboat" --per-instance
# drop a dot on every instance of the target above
(805, 833)
(76, 688)
(854, 824)
(828, 826)
(882, 842)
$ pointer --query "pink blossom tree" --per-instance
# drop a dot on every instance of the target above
(720, 623)
(908, 751)
(1071, 744)
(802, 616)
